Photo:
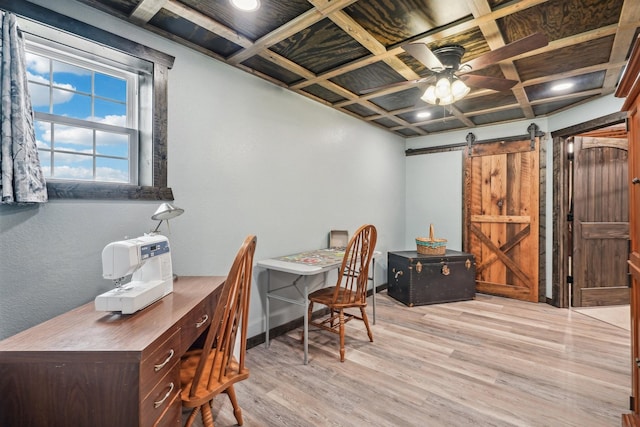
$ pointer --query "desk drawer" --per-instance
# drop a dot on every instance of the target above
(172, 416)
(161, 397)
(194, 324)
(159, 363)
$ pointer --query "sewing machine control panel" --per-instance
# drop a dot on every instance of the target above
(154, 249)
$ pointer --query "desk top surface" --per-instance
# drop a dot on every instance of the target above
(306, 263)
(84, 329)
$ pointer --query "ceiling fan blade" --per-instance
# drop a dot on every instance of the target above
(422, 53)
(534, 41)
(392, 85)
(486, 82)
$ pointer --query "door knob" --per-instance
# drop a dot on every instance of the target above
(635, 180)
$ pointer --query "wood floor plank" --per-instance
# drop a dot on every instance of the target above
(486, 362)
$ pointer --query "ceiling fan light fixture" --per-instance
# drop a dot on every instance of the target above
(246, 5)
(430, 95)
(447, 90)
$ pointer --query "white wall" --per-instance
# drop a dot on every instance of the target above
(245, 157)
(434, 197)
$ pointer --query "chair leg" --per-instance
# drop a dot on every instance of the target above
(366, 323)
(192, 417)
(237, 412)
(207, 414)
(341, 335)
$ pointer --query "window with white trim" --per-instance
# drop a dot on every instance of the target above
(86, 115)
(100, 104)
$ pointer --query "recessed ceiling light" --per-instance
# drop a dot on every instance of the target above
(423, 114)
(246, 5)
(561, 86)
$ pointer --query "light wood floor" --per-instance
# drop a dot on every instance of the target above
(486, 362)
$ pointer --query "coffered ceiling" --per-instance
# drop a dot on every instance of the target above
(336, 51)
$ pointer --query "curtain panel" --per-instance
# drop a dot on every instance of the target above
(22, 179)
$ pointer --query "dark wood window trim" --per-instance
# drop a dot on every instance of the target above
(162, 62)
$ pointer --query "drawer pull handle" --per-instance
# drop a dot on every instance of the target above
(203, 321)
(399, 273)
(166, 396)
(156, 368)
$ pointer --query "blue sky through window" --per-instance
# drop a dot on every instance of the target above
(82, 148)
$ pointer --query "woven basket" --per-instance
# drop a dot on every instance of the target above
(431, 245)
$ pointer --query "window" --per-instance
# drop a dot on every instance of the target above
(86, 116)
(100, 106)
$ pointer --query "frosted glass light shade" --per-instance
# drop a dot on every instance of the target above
(443, 87)
(459, 90)
(430, 95)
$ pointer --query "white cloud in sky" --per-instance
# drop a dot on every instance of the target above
(37, 63)
(81, 136)
(115, 120)
(41, 65)
(40, 94)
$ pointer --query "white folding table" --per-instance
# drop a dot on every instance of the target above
(301, 271)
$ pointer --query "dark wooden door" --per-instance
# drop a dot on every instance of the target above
(600, 222)
(502, 217)
(634, 234)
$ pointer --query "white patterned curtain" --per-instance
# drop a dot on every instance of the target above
(22, 178)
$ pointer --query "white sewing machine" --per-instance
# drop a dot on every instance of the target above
(148, 258)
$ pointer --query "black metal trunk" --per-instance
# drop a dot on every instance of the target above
(416, 279)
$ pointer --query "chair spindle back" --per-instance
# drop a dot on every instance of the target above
(231, 314)
(353, 275)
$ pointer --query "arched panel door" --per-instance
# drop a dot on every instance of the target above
(600, 222)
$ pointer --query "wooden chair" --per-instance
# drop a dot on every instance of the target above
(351, 289)
(207, 372)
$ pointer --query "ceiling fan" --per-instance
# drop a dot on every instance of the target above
(449, 80)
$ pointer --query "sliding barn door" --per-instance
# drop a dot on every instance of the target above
(600, 222)
(502, 217)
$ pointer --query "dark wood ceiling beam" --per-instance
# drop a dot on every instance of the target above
(592, 92)
(206, 22)
(577, 72)
(495, 40)
(327, 7)
(401, 123)
(380, 112)
(367, 40)
(371, 120)
(283, 62)
(146, 9)
(587, 36)
(377, 94)
(290, 28)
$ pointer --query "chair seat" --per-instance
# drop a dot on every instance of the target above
(204, 394)
(325, 296)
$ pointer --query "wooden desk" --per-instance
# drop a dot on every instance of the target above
(90, 368)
